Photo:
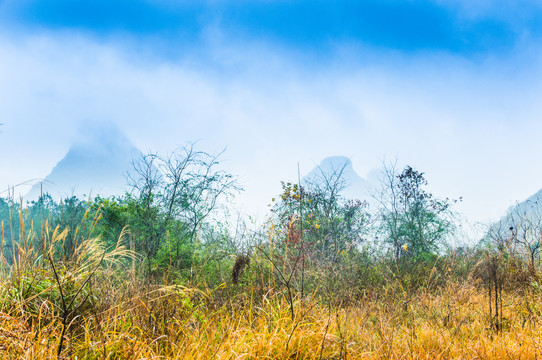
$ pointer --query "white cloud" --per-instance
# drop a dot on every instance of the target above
(472, 127)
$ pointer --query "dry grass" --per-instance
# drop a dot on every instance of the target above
(174, 322)
(105, 312)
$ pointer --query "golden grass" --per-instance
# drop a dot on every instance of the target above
(115, 315)
(147, 322)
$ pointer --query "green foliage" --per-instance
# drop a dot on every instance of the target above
(316, 241)
(83, 264)
(321, 219)
(172, 201)
(413, 222)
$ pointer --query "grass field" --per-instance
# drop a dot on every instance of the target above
(144, 322)
(107, 312)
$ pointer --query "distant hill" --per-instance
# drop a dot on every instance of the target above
(533, 202)
(523, 216)
(95, 164)
(356, 187)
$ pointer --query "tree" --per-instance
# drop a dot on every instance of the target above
(194, 186)
(318, 215)
(520, 233)
(175, 194)
(342, 222)
(320, 233)
(147, 184)
(412, 220)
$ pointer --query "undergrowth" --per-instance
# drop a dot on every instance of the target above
(94, 304)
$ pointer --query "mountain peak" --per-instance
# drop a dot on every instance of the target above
(95, 164)
(356, 186)
(101, 137)
(336, 163)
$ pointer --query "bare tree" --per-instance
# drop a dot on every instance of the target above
(520, 233)
(388, 198)
(147, 184)
(342, 220)
(194, 186)
(181, 188)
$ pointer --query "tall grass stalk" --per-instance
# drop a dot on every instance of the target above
(87, 303)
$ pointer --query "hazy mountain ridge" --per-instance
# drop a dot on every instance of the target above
(95, 164)
(523, 217)
(356, 187)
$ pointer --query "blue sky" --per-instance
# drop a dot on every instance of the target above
(449, 86)
(310, 25)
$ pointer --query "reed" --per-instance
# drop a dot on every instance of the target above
(91, 306)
